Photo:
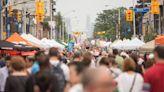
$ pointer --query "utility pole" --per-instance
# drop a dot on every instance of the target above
(68, 37)
(134, 22)
(1, 20)
(63, 31)
(159, 23)
(163, 19)
(7, 24)
(51, 3)
(119, 19)
(24, 20)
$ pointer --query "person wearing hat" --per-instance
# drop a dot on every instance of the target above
(77, 56)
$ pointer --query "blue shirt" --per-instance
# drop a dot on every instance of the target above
(35, 68)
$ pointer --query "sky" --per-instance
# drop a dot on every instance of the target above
(78, 10)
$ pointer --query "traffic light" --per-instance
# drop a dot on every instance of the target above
(40, 11)
(10, 10)
(53, 7)
(40, 7)
(18, 16)
(155, 7)
(129, 15)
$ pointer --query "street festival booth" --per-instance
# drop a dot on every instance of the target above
(52, 43)
(147, 47)
(115, 43)
(14, 49)
(127, 44)
(16, 38)
(159, 40)
(134, 44)
(122, 44)
(8, 47)
(26, 46)
(33, 40)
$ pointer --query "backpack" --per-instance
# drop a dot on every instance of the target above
(58, 72)
(41, 88)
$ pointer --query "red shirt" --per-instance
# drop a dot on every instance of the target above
(155, 77)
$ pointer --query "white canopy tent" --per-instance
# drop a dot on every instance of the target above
(134, 44)
(52, 43)
(115, 44)
(34, 40)
(123, 43)
(127, 44)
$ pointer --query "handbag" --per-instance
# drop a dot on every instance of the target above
(134, 79)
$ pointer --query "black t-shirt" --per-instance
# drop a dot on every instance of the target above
(16, 83)
(44, 80)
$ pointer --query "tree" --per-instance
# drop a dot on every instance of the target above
(107, 21)
(59, 22)
(60, 26)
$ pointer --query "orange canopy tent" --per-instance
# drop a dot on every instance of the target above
(16, 38)
(159, 40)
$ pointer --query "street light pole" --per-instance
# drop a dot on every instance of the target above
(51, 36)
(24, 20)
(1, 21)
(119, 20)
(7, 25)
(134, 21)
(159, 23)
(163, 19)
(63, 31)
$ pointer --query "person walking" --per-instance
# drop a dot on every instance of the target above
(76, 70)
(154, 76)
(35, 67)
(4, 73)
(44, 80)
(129, 80)
(17, 80)
(58, 68)
(119, 60)
(98, 80)
(77, 56)
(114, 68)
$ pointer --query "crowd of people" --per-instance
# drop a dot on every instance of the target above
(89, 70)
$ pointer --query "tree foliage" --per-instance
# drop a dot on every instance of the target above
(107, 21)
(60, 26)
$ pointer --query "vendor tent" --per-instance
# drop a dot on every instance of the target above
(47, 42)
(134, 44)
(52, 43)
(122, 44)
(5, 45)
(159, 40)
(149, 46)
(33, 40)
(55, 43)
(16, 38)
(115, 43)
